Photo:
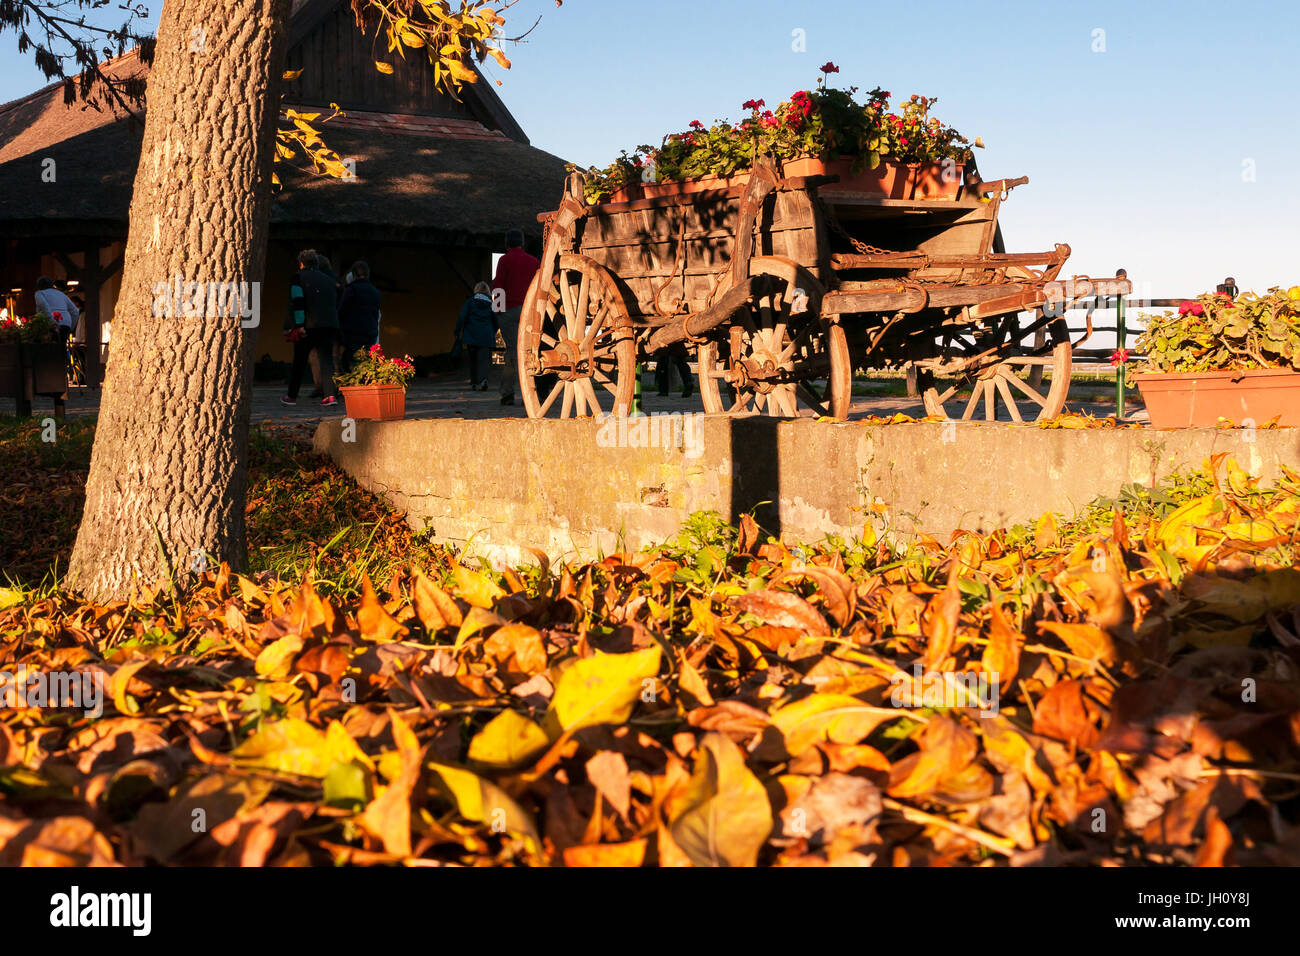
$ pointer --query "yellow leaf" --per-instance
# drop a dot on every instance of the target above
(276, 657)
(835, 717)
(290, 74)
(482, 801)
(1177, 533)
(476, 588)
(388, 816)
(121, 677)
(1045, 532)
(295, 746)
(460, 72)
(500, 58)
(383, 67)
(601, 689)
(721, 816)
(1246, 600)
(508, 740)
(476, 620)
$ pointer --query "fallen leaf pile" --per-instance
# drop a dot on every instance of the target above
(1123, 693)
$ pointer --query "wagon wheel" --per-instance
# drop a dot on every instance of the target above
(1004, 389)
(781, 356)
(576, 354)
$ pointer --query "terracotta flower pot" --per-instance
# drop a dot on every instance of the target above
(379, 402)
(928, 180)
(1189, 399)
(628, 193)
(888, 180)
(681, 187)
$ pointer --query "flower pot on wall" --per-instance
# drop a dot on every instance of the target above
(1190, 399)
(378, 402)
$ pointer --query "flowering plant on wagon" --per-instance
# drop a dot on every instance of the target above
(373, 367)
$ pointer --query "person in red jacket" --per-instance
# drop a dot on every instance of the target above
(515, 273)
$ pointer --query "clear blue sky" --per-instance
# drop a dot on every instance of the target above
(1135, 154)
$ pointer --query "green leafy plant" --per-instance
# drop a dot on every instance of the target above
(38, 330)
(1215, 332)
(373, 367)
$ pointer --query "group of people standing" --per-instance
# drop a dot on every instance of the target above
(325, 313)
(497, 307)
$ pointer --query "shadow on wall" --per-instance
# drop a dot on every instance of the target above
(756, 472)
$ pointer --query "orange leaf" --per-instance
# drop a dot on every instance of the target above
(376, 624)
(631, 853)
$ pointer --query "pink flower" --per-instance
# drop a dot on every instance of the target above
(903, 140)
(1119, 357)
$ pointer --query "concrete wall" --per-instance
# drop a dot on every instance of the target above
(578, 486)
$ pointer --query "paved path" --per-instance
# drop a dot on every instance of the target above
(450, 397)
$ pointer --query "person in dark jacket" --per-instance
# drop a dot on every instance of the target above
(312, 324)
(476, 329)
(358, 314)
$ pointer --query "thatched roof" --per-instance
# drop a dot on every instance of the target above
(425, 178)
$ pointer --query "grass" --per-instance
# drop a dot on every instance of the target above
(304, 516)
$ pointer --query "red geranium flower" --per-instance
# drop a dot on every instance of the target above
(753, 104)
(1119, 357)
(696, 124)
(829, 67)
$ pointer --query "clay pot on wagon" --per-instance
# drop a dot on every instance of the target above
(889, 180)
(934, 180)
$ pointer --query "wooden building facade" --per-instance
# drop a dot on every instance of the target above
(437, 184)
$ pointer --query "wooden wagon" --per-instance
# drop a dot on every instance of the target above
(784, 286)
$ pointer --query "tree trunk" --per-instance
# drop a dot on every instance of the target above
(165, 495)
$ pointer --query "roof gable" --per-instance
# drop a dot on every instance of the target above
(337, 60)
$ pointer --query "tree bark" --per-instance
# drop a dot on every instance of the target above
(165, 494)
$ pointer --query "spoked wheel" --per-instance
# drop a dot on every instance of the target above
(576, 355)
(780, 357)
(1003, 390)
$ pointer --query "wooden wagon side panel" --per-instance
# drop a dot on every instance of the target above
(642, 245)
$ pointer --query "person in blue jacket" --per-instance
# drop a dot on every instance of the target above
(476, 329)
